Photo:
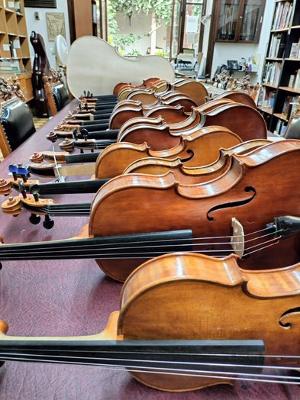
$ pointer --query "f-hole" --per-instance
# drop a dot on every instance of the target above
(191, 155)
(248, 189)
(287, 315)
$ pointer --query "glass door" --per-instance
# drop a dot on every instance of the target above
(191, 26)
(251, 20)
(175, 29)
(228, 20)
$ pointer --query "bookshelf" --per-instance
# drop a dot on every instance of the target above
(14, 45)
(279, 96)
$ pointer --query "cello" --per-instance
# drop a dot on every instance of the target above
(151, 165)
(187, 339)
(212, 217)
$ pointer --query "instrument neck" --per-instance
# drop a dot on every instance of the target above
(169, 355)
(141, 245)
(82, 186)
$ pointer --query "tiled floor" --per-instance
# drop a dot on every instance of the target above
(38, 123)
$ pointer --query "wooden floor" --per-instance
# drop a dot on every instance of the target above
(38, 123)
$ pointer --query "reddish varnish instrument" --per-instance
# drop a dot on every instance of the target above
(196, 302)
(207, 207)
(197, 149)
(238, 96)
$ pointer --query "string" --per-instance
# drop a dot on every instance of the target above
(64, 245)
(178, 372)
(108, 256)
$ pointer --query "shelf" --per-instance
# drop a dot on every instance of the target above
(279, 30)
(281, 116)
(295, 27)
(273, 59)
(290, 89)
(270, 85)
(266, 110)
(292, 59)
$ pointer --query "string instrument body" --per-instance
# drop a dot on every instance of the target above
(102, 67)
(149, 165)
(170, 114)
(193, 298)
(244, 120)
(187, 294)
(238, 96)
(195, 90)
(207, 208)
(192, 174)
(197, 149)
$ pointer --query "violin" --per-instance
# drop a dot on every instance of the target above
(187, 340)
(212, 217)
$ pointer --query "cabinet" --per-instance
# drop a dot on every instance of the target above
(239, 20)
(14, 45)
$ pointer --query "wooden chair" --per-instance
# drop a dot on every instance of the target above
(55, 91)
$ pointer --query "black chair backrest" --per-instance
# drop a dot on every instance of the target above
(16, 118)
(293, 131)
(61, 96)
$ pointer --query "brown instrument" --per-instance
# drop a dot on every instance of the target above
(196, 149)
(213, 217)
(187, 339)
(148, 165)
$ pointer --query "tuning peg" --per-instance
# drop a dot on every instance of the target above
(36, 195)
(37, 158)
(75, 134)
(35, 219)
(52, 136)
(5, 187)
(22, 189)
(48, 222)
(12, 206)
(84, 132)
(67, 145)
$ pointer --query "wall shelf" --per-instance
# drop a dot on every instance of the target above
(14, 46)
(279, 102)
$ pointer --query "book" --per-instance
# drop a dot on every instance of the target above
(283, 15)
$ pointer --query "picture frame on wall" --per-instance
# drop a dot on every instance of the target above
(55, 25)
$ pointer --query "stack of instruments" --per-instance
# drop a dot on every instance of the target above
(195, 210)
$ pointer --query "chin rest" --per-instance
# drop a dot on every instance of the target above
(16, 119)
